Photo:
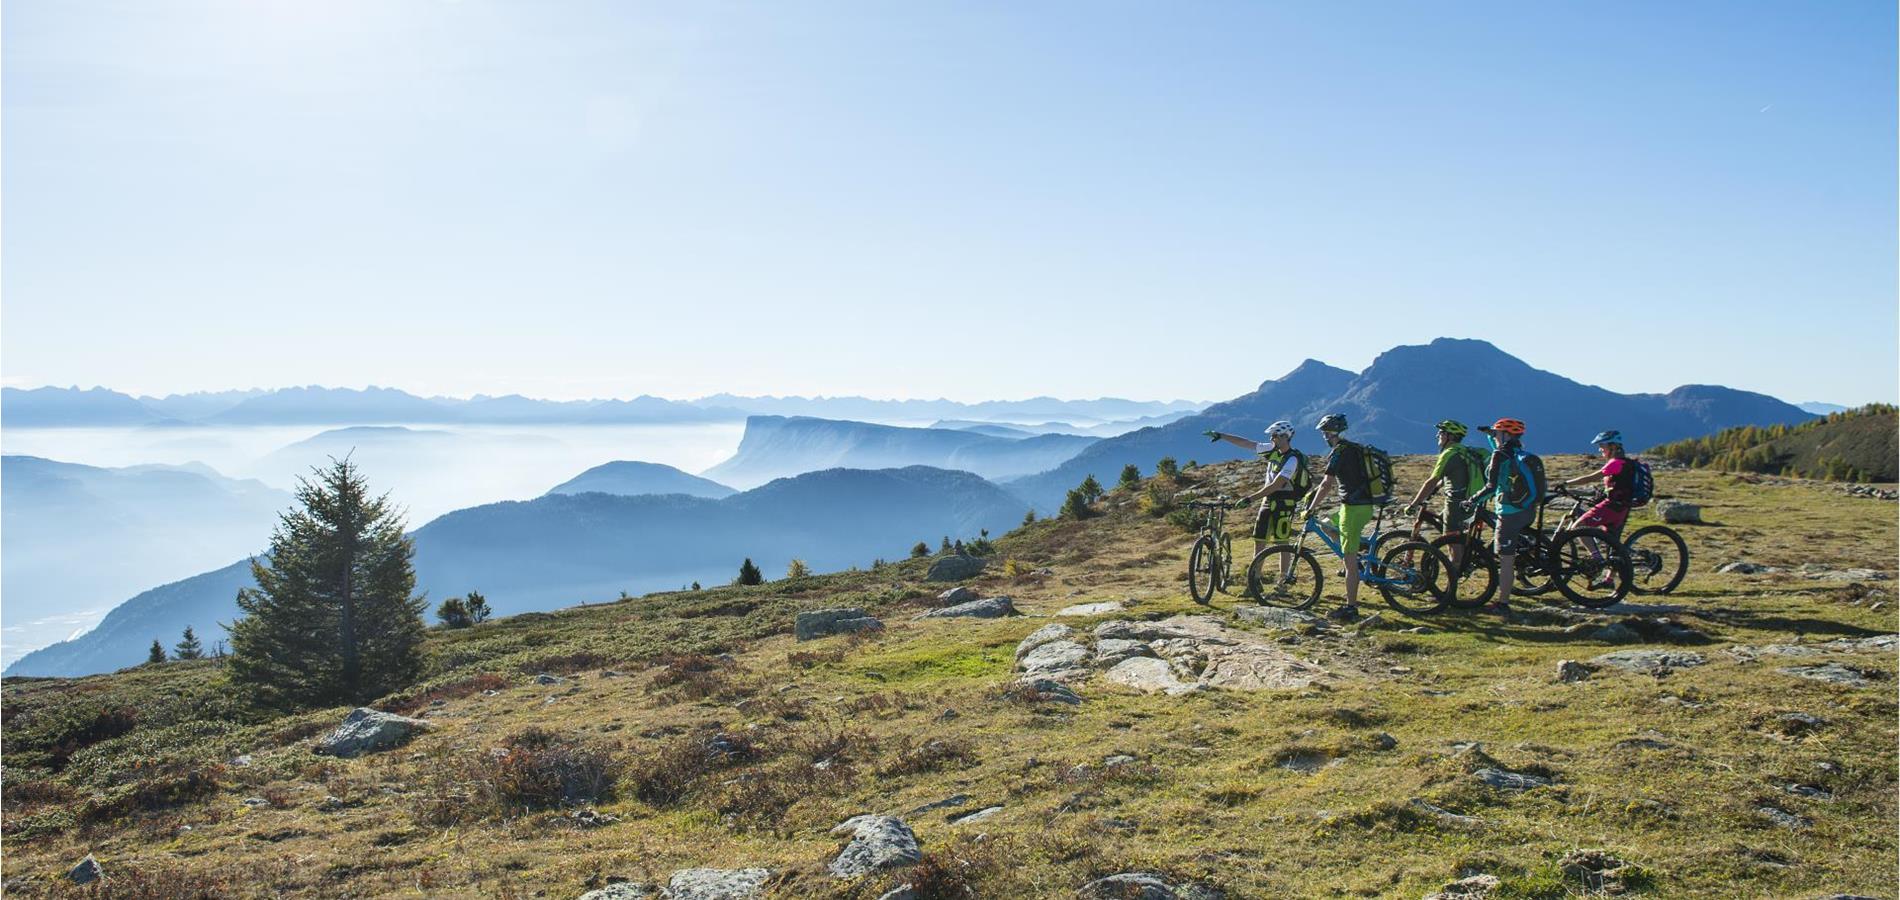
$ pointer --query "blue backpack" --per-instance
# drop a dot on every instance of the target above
(1524, 483)
(1642, 483)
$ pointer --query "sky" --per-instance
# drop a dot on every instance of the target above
(968, 200)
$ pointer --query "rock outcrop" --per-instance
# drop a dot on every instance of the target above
(365, 730)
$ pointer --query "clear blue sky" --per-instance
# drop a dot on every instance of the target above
(943, 199)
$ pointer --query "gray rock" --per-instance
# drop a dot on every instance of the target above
(1145, 673)
(953, 800)
(1446, 816)
(1475, 887)
(1819, 572)
(1118, 759)
(901, 892)
(1570, 671)
(365, 730)
(1048, 690)
(1093, 609)
(956, 595)
(817, 623)
(1743, 567)
(1676, 512)
(242, 760)
(1510, 781)
(1055, 657)
(986, 812)
(1616, 633)
(87, 872)
(1831, 673)
(1784, 818)
(1041, 636)
(1143, 886)
(954, 568)
(877, 842)
(1809, 791)
(255, 802)
(1275, 617)
(1111, 651)
(991, 608)
(619, 890)
(716, 884)
(1652, 661)
(545, 678)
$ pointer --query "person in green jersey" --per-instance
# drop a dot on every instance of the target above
(1460, 471)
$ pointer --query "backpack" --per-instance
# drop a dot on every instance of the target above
(1302, 475)
(1378, 466)
(1642, 483)
(1473, 482)
(1524, 482)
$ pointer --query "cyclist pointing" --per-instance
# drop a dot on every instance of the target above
(1279, 496)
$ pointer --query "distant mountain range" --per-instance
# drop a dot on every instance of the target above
(563, 549)
(313, 405)
(1397, 400)
(1821, 409)
(631, 479)
(1011, 428)
(78, 539)
(776, 446)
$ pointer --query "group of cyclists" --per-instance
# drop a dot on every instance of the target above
(1503, 488)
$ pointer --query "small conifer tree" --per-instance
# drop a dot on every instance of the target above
(478, 610)
(189, 648)
(158, 653)
(797, 569)
(919, 550)
(1166, 468)
(945, 546)
(749, 573)
(1074, 506)
(454, 613)
(1029, 518)
(696, 586)
(1131, 477)
(1091, 489)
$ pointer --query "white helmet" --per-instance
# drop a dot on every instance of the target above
(1280, 428)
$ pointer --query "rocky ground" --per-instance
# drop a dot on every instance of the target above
(1095, 734)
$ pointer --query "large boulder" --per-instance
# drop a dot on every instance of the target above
(716, 884)
(1055, 658)
(817, 623)
(991, 608)
(954, 568)
(1676, 512)
(365, 730)
(87, 872)
(956, 595)
(877, 842)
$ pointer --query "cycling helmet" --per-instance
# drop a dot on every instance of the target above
(1453, 427)
(1333, 422)
(1608, 437)
(1282, 427)
(1511, 427)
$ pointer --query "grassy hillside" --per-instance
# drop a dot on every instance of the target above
(1856, 445)
(1358, 785)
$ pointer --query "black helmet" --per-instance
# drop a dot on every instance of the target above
(1333, 422)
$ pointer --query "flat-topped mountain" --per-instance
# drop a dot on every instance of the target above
(628, 479)
(1397, 400)
(776, 446)
(560, 549)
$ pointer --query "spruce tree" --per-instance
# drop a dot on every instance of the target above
(919, 549)
(1167, 468)
(1131, 476)
(1091, 489)
(189, 648)
(749, 573)
(1029, 518)
(1074, 506)
(158, 653)
(453, 613)
(333, 619)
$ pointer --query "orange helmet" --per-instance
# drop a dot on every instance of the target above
(1512, 427)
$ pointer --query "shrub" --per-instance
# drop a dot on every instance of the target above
(798, 569)
(1157, 500)
(1029, 518)
(453, 613)
(478, 611)
(533, 769)
(693, 676)
(915, 758)
(669, 773)
(919, 550)
(1166, 468)
(409, 704)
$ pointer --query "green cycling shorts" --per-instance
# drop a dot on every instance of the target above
(1351, 519)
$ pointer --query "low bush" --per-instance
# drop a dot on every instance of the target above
(534, 769)
(915, 757)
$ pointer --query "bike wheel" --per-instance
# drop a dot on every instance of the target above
(1536, 568)
(1225, 570)
(1203, 571)
(1298, 588)
(1658, 559)
(1475, 572)
(1589, 568)
(1414, 578)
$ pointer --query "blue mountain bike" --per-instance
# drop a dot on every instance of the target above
(1413, 577)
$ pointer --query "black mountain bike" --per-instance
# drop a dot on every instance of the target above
(1211, 561)
(1586, 565)
(1414, 578)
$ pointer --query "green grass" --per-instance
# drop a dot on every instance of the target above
(1208, 797)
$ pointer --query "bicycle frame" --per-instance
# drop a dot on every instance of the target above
(1363, 562)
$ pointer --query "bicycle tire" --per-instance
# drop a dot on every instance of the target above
(1476, 571)
(1650, 572)
(1577, 569)
(1201, 573)
(1536, 565)
(1304, 581)
(1225, 570)
(1414, 578)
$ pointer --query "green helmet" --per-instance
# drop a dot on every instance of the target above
(1454, 428)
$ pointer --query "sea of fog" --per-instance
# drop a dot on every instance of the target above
(426, 469)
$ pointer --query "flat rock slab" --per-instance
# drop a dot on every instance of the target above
(1041, 636)
(817, 623)
(1093, 609)
(978, 816)
(1143, 886)
(1831, 673)
(1275, 617)
(990, 608)
(1055, 657)
(1510, 781)
(1654, 661)
(623, 890)
(716, 884)
(365, 730)
(877, 842)
(1110, 651)
(1205, 651)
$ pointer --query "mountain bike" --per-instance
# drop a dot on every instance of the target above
(1211, 561)
(1659, 558)
(1412, 577)
(1586, 565)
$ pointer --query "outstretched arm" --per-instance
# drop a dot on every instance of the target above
(1236, 440)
